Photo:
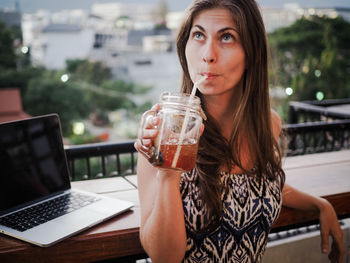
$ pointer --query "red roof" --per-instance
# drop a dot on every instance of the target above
(11, 105)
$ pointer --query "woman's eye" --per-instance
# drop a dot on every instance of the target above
(227, 38)
(198, 36)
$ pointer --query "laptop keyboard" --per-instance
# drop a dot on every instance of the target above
(43, 212)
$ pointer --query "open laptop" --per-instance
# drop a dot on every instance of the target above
(37, 203)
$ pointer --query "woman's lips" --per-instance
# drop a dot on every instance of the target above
(210, 75)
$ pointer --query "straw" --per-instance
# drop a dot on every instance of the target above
(185, 122)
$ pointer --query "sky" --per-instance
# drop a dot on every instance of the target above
(30, 6)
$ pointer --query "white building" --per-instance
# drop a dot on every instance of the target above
(122, 36)
(275, 18)
(174, 20)
(70, 34)
(141, 15)
(330, 12)
(160, 70)
(54, 38)
(60, 42)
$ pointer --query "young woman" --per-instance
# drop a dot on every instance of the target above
(222, 211)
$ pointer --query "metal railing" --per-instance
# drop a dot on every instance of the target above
(92, 161)
(315, 137)
(311, 111)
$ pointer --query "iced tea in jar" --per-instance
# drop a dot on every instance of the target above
(179, 128)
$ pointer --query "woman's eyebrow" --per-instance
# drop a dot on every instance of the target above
(227, 29)
(220, 31)
(199, 27)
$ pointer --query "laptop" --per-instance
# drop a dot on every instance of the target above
(37, 203)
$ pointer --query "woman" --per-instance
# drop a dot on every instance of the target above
(222, 211)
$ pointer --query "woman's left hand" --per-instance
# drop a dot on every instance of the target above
(329, 226)
(297, 199)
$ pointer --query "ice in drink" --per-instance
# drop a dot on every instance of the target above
(186, 160)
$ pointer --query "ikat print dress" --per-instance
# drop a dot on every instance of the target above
(250, 206)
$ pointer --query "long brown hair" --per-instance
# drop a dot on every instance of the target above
(252, 120)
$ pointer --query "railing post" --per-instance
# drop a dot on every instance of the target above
(88, 167)
(293, 115)
(104, 173)
(132, 163)
(118, 165)
(72, 169)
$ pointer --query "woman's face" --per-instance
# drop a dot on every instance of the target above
(214, 50)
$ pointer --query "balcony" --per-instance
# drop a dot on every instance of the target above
(323, 130)
(317, 160)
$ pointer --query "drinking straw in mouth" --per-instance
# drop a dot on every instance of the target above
(185, 122)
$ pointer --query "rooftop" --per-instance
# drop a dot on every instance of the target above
(11, 105)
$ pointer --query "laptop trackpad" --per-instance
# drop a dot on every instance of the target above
(110, 207)
(82, 217)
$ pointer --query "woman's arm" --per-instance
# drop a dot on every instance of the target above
(299, 200)
(162, 231)
(329, 225)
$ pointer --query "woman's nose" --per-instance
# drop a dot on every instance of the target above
(210, 54)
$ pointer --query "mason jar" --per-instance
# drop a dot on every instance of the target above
(176, 144)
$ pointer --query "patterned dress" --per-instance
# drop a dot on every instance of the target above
(250, 206)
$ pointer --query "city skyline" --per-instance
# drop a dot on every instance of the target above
(30, 6)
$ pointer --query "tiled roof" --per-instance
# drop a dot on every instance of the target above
(11, 105)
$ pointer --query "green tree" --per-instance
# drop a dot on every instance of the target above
(312, 56)
(113, 94)
(90, 87)
(47, 94)
(92, 72)
(104, 93)
(7, 50)
(14, 66)
(19, 78)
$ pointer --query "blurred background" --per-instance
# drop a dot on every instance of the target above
(100, 64)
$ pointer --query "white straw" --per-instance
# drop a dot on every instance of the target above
(185, 122)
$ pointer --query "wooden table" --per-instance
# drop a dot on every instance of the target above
(324, 174)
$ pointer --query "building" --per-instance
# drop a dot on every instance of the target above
(331, 12)
(275, 18)
(11, 18)
(140, 15)
(159, 70)
(60, 42)
(123, 37)
(174, 20)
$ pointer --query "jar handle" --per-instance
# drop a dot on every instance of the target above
(147, 151)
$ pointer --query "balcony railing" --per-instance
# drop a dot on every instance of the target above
(311, 111)
(305, 138)
(317, 126)
(92, 161)
(328, 131)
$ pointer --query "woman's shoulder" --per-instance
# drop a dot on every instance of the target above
(276, 124)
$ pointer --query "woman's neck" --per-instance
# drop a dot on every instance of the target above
(222, 108)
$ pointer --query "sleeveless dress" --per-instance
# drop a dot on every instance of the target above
(250, 206)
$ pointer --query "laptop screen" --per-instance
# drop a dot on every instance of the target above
(32, 161)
